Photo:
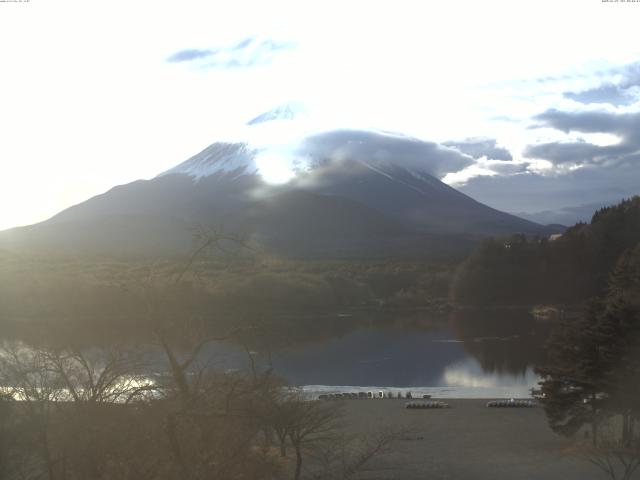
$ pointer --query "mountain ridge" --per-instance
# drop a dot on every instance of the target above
(346, 198)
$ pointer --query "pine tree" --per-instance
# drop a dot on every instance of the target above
(622, 314)
(593, 368)
(574, 378)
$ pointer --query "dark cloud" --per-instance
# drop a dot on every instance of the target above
(506, 167)
(606, 93)
(568, 152)
(376, 148)
(612, 93)
(624, 125)
(248, 52)
(606, 173)
(189, 54)
(478, 148)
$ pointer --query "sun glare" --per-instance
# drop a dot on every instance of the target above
(274, 169)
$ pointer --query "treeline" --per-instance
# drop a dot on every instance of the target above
(115, 295)
(569, 269)
(592, 376)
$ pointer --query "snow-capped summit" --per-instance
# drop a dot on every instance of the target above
(264, 148)
(287, 111)
(235, 158)
(278, 160)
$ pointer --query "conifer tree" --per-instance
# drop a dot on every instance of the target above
(593, 366)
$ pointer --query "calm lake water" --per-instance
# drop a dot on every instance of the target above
(464, 354)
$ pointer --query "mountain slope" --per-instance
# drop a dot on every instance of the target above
(418, 200)
(353, 193)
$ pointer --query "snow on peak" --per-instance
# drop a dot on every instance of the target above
(275, 166)
(219, 157)
(287, 111)
(279, 154)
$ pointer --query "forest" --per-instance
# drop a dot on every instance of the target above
(565, 270)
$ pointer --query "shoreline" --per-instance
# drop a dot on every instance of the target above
(445, 392)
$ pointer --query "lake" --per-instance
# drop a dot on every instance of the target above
(465, 354)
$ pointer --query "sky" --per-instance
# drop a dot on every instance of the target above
(542, 98)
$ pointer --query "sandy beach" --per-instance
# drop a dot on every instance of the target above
(468, 441)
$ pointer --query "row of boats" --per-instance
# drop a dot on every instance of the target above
(367, 395)
(420, 405)
(511, 403)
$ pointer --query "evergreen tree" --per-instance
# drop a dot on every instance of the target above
(593, 367)
(622, 315)
(574, 378)
(570, 269)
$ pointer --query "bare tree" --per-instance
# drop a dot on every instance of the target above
(277, 411)
(616, 456)
(312, 422)
(28, 377)
(346, 456)
(315, 431)
(69, 404)
(195, 334)
(100, 375)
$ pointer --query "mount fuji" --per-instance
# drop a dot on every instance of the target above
(333, 193)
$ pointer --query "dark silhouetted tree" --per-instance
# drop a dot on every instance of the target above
(593, 366)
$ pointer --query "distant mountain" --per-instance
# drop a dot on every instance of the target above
(288, 111)
(566, 215)
(342, 198)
